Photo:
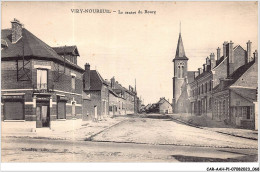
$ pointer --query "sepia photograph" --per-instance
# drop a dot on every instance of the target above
(130, 82)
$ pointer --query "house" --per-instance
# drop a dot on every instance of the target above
(126, 98)
(164, 106)
(234, 97)
(38, 85)
(97, 92)
(200, 89)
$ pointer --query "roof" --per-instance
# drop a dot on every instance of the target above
(162, 100)
(219, 61)
(111, 91)
(249, 94)
(190, 76)
(3, 43)
(180, 53)
(30, 46)
(203, 74)
(239, 72)
(235, 76)
(96, 81)
(66, 50)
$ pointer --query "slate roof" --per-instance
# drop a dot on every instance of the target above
(219, 61)
(235, 76)
(162, 100)
(180, 53)
(190, 76)
(30, 46)
(96, 81)
(249, 94)
(66, 50)
(203, 74)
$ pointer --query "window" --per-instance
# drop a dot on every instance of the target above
(73, 82)
(42, 79)
(179, 74)
(206, 90)
(210, 103)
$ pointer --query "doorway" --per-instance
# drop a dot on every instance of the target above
(42, 115)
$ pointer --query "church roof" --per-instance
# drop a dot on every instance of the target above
(180, 53)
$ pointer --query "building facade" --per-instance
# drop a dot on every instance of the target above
(38, 84)
(96, 89)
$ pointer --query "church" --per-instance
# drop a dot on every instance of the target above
(181, 79)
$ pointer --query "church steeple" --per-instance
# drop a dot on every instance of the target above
(180, 53)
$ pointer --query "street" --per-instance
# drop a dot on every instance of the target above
(152, 138)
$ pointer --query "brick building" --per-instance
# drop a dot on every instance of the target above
(39, 83)
(225, 88)
(126, 98)
(96, 91)
(235, 82)
(200, 89)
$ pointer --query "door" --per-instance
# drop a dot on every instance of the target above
(42, 115)
(61, 110)
(13, 110)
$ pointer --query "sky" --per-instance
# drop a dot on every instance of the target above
(139, 46)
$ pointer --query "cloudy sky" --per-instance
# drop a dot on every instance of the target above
(140, 46)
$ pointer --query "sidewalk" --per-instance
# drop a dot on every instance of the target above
(84, 132)
(205, 122)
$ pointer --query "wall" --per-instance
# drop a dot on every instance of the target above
(219, 72)
(165, 106)
(239, 57)
(61, 87)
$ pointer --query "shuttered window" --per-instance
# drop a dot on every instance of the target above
(61, 110)
(14, 110)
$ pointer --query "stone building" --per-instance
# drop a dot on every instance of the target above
(38, 83)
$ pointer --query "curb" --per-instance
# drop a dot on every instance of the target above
(250, 138)
(186, 123)
(169, 144)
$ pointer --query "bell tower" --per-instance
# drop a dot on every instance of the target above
(179, 72)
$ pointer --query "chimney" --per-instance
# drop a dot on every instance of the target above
(248, 55)
(113, 82)
(196, 73)
(218, 53)
(86, 77)
(207, 64)
(204, 68)
(231, 52)
(200, 71)
(212, 60)
(16, 30)
(225, 49)
(255, 56)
